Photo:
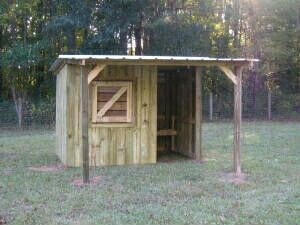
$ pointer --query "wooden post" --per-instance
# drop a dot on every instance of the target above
(84, 123)
(210, 106)
(237, 120)
(198, 115)
(269, 104)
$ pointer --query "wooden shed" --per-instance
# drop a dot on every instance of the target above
(119, 110)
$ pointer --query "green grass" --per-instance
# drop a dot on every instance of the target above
(180, 192)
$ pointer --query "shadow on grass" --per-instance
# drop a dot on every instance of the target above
(169, 156)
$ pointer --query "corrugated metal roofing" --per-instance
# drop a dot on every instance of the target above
(155, 60)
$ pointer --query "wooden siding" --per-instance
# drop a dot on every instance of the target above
(110, 144)
(61, 111)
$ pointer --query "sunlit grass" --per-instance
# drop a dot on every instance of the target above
(180, 192)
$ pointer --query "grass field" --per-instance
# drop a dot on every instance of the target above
(178, 192)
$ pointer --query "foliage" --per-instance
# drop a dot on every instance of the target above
(33, 33)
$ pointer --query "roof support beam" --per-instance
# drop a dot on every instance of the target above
(228, 72)
(95, 72)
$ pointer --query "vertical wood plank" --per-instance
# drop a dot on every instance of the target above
(198, 115)
(145, 114)
(237, 120)
(153, 115)
(190, 114)
(84, 124)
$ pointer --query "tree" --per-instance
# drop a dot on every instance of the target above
(21, 53)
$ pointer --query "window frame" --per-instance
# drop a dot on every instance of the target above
(108, 121)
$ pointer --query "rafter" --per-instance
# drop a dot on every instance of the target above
(95, 72)
(228, 72)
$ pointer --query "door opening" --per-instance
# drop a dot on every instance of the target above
(174, 113)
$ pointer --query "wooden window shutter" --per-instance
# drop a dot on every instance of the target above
(112, 102)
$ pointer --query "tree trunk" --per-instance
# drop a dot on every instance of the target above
(298, 22)
(138, 36)
(298, 40)
(235, 26)
(20, 113)
(138, 41)
(19, 99)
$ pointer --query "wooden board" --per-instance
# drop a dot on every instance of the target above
(198, 115)
(108, 145)
(61, 111)
(237, 120)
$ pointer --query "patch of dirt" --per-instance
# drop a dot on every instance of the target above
(93, 181)
(234, 178)
(2, 220)
(48, 168)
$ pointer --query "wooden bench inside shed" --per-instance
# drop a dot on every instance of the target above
(168, 132)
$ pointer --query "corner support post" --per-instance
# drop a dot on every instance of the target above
(198, 116)
(237, 120)
(84, 123)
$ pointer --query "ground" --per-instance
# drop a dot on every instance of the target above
(170, 192)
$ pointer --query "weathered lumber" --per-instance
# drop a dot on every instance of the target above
(228, 72)
(115, 97)
(237, 120)
(166, 132)
(84, 124)
(198, 115)
(95, 72)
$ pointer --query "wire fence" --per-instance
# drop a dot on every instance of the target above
(262, 106)
(36, 113)
(41, 112)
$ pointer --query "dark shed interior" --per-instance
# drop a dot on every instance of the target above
(175, 110)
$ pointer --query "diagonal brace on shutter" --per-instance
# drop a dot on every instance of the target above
(109, 104)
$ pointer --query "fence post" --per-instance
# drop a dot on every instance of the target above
(210, 106)
(269, 105)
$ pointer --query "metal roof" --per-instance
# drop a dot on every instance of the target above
(148, 60)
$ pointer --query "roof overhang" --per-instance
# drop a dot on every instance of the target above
(147, 60)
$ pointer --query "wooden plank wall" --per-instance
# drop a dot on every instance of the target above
(135, 144)
(68, 126)
(61, 111)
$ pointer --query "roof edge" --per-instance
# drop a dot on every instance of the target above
(130, 59)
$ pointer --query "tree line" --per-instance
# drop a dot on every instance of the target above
(34, 32)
